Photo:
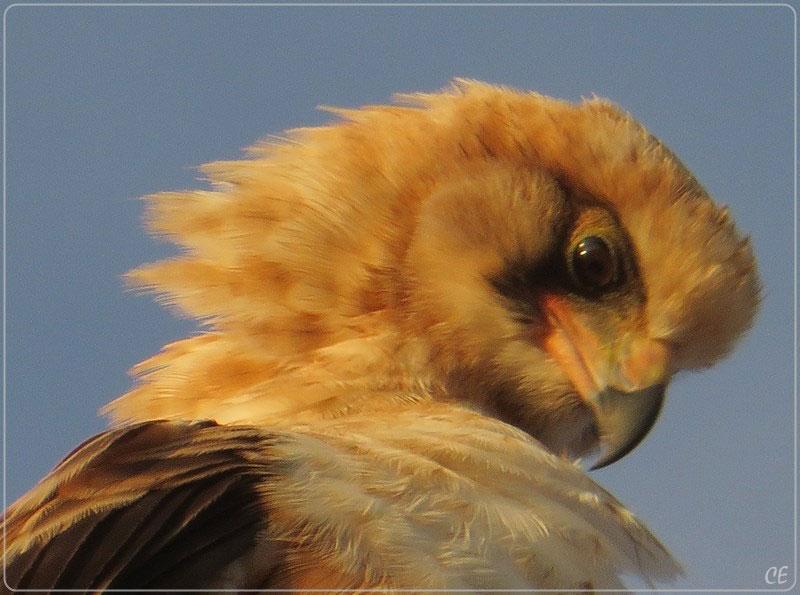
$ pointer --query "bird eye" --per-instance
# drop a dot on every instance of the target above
(593, 264)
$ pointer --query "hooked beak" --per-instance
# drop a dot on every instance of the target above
(624, 384)
(624, 419)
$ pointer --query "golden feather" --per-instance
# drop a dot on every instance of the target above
(415, 316)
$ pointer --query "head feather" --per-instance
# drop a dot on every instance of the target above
(301, 247)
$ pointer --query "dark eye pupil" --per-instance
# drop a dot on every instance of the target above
(593, 263)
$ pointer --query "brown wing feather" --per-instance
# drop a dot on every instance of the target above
(153, 505)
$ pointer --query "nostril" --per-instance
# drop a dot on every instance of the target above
(644, 363)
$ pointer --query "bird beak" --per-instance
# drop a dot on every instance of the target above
(625, 418)
(622, 380)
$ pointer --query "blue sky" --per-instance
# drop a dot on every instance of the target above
(105, 105)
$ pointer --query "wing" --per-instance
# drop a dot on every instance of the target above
(153, 505)
(444, 500)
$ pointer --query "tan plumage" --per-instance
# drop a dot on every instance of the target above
(416, 316)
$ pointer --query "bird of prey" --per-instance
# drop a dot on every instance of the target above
(419, 320)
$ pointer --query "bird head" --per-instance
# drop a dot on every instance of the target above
(547, 263)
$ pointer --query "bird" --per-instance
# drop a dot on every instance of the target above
(418, 322)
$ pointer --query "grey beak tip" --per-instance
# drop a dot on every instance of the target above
(624, 419)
